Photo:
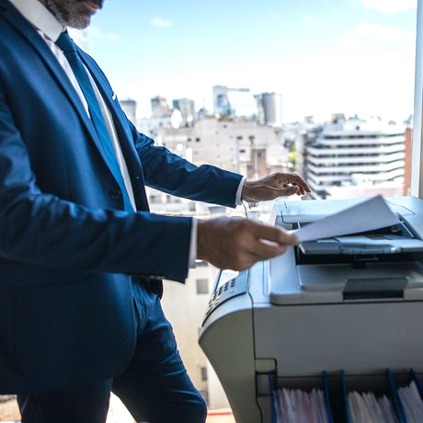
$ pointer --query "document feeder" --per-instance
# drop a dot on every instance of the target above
(351, 303)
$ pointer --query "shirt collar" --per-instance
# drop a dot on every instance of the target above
(37, 14)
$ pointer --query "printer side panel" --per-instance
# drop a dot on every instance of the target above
(360, 338)
(227, 340)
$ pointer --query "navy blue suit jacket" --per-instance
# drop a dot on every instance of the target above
(67, 252)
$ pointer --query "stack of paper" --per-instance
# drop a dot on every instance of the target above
(412, 403)
(296, 406)
(367, 215)
(365, 407)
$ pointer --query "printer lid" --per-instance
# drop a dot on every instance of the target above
(291, 212)
(397, 238)
(374, 265)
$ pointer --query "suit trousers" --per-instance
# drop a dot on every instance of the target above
(155, 387)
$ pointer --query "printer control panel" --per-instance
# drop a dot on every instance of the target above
(223, 292)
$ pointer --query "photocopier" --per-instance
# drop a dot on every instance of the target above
(351, 304)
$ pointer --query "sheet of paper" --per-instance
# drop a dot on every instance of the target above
(366, 216)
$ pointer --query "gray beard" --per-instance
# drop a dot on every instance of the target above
(65, 16)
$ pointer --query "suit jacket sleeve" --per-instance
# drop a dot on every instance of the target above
(48, 228)
(42, 229)
(183, 179)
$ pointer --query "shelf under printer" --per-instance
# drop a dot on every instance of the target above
(349, 303)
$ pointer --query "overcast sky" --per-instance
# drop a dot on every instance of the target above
(323, 56)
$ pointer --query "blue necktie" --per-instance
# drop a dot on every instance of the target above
(69, 49)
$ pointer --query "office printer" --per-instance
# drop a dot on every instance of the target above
(352, 304)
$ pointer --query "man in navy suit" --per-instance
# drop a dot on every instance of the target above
(81, 256)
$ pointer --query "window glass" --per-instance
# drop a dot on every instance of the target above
(321, 87)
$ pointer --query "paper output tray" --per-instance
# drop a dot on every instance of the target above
(377, 276)
(362, 245)
(390, 240)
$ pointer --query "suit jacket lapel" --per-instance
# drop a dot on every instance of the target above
(9, 12)
(42, 49)
(125, 137)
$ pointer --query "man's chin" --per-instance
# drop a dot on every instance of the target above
(80, 23)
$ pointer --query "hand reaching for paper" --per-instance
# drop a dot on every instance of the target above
(273, 186)
(238, 243)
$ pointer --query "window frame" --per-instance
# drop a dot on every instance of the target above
(417, 145)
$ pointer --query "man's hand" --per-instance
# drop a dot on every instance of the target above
(273, 186)
(237, 243)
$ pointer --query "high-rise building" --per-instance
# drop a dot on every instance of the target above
(269, 109)
(187, 109)
(230, 103)
(351, 158)
(159, 107)
(130, 108)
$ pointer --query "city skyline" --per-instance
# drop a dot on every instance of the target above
(322, 56)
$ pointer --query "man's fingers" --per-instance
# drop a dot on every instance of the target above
(238, 243)
(264, 249)
(297, 181)
(270, 241)
(291, 190)
(274, 234)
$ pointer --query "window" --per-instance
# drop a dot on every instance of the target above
(204, 376)
(417, 146)
(314, 75)
(202, 286)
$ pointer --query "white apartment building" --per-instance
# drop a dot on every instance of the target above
(238, 145)
(354, 158)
